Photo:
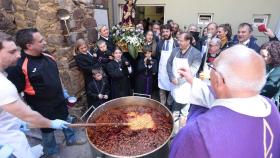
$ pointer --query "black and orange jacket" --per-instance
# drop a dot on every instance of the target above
(38, 77)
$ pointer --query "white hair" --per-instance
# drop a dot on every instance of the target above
(237, 82)
(216, 41)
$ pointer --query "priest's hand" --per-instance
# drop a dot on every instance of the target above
(186, 73)
(182, 121)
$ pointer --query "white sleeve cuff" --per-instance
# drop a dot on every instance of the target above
(201, 94)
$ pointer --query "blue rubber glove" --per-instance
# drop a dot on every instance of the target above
(59, 124)
(65, 93)
(23, 126)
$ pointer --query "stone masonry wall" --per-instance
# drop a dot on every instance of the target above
(43, 14)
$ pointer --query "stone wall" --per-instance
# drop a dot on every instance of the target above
(43, 14)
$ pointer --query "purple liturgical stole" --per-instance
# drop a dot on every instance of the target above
(223, 133)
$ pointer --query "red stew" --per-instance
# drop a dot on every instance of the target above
(121, 140)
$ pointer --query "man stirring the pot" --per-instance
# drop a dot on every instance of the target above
(36, 74)
(12, 107)
(240, 122)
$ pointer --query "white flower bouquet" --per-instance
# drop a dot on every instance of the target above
(128, 39)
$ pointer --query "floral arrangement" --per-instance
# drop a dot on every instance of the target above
(129, 39)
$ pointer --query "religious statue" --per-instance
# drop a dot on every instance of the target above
(128, 13)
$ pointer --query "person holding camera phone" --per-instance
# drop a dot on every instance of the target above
(146, 70)
(268, 32)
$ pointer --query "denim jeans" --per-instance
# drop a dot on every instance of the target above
(50, 147)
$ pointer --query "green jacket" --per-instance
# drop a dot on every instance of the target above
(271, 88)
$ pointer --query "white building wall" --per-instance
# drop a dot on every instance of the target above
(185, 12)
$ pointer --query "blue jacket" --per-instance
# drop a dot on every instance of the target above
(252, 44)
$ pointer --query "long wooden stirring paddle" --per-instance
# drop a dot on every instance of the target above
(80, 125)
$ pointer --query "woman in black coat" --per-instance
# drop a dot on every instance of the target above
(118, 71)
(86, 59)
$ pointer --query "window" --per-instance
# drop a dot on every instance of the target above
(205, 18)
(259, 19)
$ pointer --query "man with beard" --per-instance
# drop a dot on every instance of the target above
(164, 49)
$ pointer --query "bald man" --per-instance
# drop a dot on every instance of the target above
(239, 123)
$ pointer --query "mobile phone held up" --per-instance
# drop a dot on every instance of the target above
(262, 28)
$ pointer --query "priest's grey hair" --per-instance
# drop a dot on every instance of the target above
(234, 81)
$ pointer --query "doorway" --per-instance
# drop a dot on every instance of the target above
(149, 13)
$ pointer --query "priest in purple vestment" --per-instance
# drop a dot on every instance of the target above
(239, 123)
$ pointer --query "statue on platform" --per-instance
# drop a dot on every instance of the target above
(128, 13)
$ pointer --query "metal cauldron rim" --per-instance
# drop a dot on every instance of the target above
(136, 156)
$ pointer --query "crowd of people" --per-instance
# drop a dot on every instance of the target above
(166, 48)
(175, 67)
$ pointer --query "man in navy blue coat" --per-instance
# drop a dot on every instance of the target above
(245, 37)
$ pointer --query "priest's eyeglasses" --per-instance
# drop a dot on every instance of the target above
(211, 66)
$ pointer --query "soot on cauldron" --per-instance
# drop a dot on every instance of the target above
(147, 130)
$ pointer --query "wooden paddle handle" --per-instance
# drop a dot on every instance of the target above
(81, 125)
